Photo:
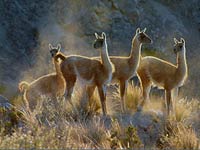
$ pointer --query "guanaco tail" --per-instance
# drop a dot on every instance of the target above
(51, 85)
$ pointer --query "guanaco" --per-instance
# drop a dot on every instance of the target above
(164, 74)
(125, 67)
(51, 85)
(95, 73)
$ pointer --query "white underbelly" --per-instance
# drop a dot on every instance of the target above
(86, 82)
(160, 85)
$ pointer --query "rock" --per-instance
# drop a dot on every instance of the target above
(147, 123)
(4, 103)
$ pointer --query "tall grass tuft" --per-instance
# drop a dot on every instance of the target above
(133, 97)
(184, 109)
(177, 135)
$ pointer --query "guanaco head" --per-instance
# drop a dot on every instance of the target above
(54, 50)
(99, 42)
(179, 45)
(142, 36)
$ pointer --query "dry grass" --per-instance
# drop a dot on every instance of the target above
(57, 124)
(133, 97)
(156, 104)
(183, 110)
(179, 136)
(51, 126)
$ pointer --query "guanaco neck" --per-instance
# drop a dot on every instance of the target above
(60, 55)
(57, 67)
(134, 57)
(181, 63)
(105, 58)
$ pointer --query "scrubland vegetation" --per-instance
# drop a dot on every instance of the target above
(84, 126)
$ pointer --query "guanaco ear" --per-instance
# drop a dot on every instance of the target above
(182, 40)
(175, 41)
(96, 35)
(50, 46)
(103, 35)
(144, 30)
(59, 47)
(138, 30)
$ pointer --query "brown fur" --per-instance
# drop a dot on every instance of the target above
(125, 67)
(93, 72)
(50, 85)
(153, 70)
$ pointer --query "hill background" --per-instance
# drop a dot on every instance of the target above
(27, 27)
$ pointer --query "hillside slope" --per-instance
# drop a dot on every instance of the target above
(27, 27)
